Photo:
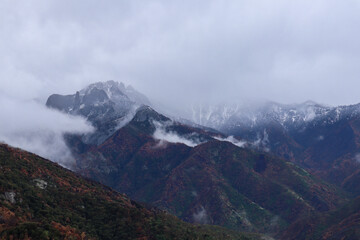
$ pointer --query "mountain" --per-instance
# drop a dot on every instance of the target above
(228, 117)
(254, 173)
(107, 105)
(322, 139)
(41, 200)
(201, 179)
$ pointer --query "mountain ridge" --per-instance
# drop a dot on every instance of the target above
(322, 139)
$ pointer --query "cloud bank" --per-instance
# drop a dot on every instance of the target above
(180, 52)
(32, 127)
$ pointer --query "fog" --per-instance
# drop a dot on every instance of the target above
(201, 216)
(32, 127)
(182, 52)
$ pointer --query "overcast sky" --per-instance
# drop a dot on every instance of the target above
(184, 51)
(179, 52)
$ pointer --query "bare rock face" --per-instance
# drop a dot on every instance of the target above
(106, 105)
(10, 196)
(40, 183)
(110, 98)
(101, 101)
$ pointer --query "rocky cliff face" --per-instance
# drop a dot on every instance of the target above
(107, 105)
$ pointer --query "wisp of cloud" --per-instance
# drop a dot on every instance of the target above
(169, 136)
(232, 140)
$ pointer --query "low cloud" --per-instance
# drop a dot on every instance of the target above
(161, 144)
(232, 140)
(320, 138)
(201, 216)
(170, 136)
(357, 157)
(128, 117)
(262, 142)
(33, 127)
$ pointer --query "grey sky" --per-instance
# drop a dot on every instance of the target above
(184, 51)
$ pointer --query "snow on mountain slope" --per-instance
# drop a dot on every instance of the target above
(107, 105)
(226, 117)
(117, 92)
(323, 139)
(99, 100)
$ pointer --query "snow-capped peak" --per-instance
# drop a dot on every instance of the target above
(226, 116)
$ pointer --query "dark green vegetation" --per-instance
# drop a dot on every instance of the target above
(41, 200)
(215, 182)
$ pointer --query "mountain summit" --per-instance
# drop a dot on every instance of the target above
(107, 105)
(102, 99)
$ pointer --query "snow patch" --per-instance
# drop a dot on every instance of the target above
(40, 183)
(310, 114)
(10, 196)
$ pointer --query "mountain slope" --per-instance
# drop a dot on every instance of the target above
(41, 200)
(203, 176)
(324, 140)
(342, 223)
(212, 181)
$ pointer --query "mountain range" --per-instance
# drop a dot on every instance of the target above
(259, 169)
(321, 139)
